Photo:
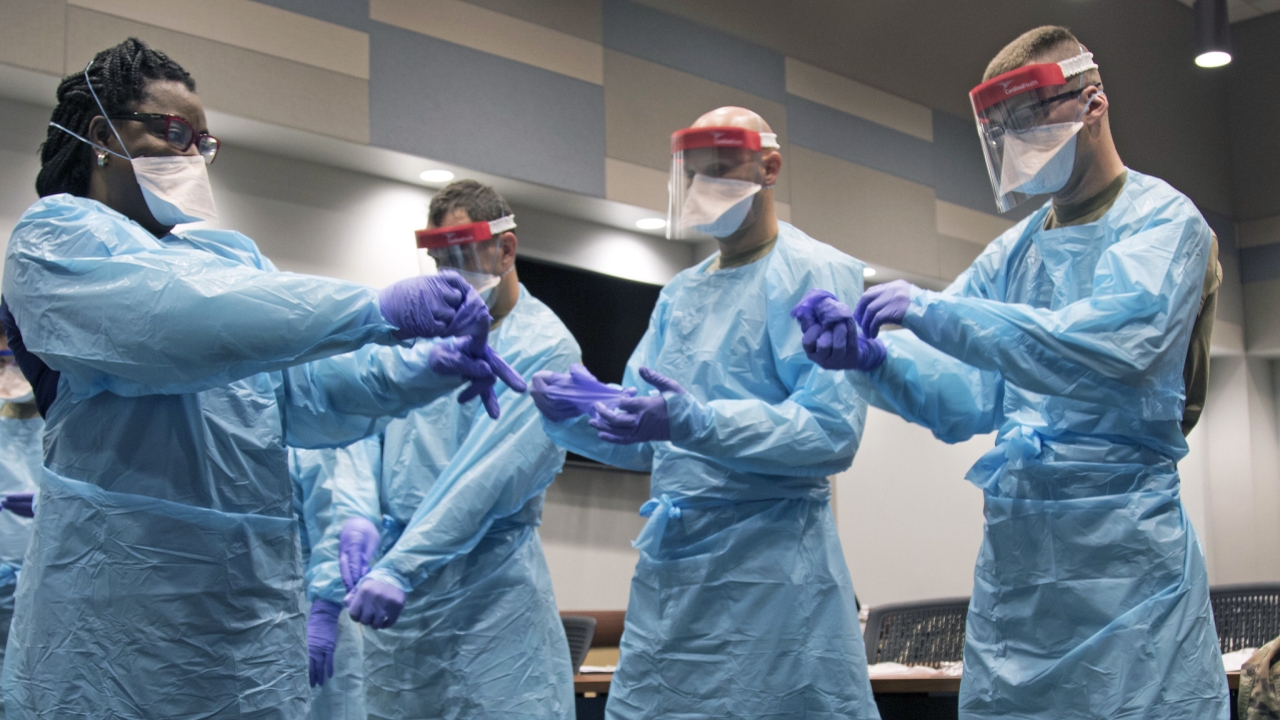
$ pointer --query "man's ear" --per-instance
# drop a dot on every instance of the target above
(509, 244)
(1098, 106)
(772, 162)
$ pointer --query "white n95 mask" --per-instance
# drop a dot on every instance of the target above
(1039, 161)
(176, 188)
(717, 206)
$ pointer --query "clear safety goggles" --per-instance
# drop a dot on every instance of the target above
(472, 249)
(1013, 107)
(715, 174)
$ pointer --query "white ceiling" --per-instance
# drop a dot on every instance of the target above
(1238, 10)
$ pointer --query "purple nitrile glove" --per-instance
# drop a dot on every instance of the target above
(21, 504)
(832, 338)
(322, 639)
(638, 419)
(560, 396)
(883, 305)
(357, 543)
(375, 603)
(472, 358)
(428, 306)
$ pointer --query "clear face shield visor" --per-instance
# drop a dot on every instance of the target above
(473, 250)
(715, 175)
(1027, 132)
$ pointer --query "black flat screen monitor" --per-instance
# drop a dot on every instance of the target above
(606, 314)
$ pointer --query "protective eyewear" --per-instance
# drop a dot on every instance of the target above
(459, 247)
(1026, 117)
(177, 132)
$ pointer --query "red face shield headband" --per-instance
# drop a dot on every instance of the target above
(454, 235)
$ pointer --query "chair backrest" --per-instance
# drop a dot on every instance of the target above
(919, 633)
(1247, 616)
(578, 629)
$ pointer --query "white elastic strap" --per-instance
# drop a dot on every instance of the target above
(110, 124)
(502, 224)
(769, 140)
(89, 142)
(1078, 64)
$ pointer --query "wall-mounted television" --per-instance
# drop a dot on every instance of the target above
(607, 315)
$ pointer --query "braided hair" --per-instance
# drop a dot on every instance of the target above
(119, 76)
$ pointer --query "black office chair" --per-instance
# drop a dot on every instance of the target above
(579, 629)
(1247, 616)
(919, 633)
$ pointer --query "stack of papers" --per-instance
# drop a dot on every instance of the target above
(1233, 661)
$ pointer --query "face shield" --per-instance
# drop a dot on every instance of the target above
(1028, 120)
(715, 175)
(473, 250)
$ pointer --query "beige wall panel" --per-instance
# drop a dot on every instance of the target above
(1262, 322)
(238, 81)
(252, 26)
(822, 86)
(493, 32)
(635, 185)
(955, 255)
(645, 102)
(580, 18)
(1259, 232)
(961, 222)
(873, 216)
(783, 210)
(31, 34)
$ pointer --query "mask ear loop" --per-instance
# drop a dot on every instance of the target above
(110, 124)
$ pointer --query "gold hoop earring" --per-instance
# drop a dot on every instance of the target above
(102, 159)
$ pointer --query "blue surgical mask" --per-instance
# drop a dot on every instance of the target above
(717, 206)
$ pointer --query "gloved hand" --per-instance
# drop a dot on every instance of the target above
(322, 638)
(560, 396)
(375, 603)
(638, 419)
(831, 337)
(357, 543)
(883, 305)
(22, 504)
(472, 358)
(440, 305)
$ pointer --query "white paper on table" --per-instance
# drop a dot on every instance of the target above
(595, 669)
(1233, 661)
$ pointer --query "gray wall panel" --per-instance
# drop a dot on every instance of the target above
(444, 101)
(693, 48)
(959, 170)
(855, 139)
(581, 18)
(350, 13)
(1255, 117)
(1260, 264)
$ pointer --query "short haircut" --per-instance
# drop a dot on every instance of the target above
(481, 202)
(1043, 44)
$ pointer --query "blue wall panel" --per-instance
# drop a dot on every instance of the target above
(440, 100)
(848, 137)
(350, 13)
(678, 43)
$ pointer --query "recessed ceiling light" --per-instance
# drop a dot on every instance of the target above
(436, 176)
(651, 223)
(1213, 59)
(868, 272)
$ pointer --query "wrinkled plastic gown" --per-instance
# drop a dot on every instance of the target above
(21, 456)
(1090, 595)
(480, 634)
(163, 577)
(741, 604)
(331, 486)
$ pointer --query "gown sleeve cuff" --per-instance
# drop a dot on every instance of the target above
(390, 577)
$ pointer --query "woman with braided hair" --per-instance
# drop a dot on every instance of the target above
(173, 368)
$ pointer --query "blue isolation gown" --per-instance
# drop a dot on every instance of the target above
(164, 578)
(20, 459)
(480, 635)
(1090, 596)
(330, 487)
(741, 604)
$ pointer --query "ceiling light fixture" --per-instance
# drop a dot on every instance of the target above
(436, 176)
(1212, 33)
(868, 272)
(651, 223)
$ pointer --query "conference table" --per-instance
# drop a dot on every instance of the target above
(917, 698)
